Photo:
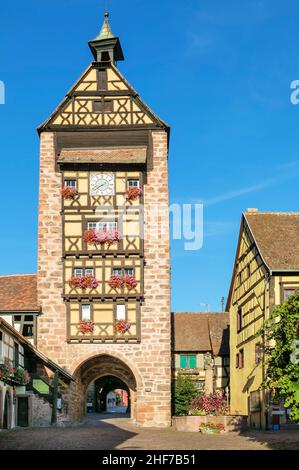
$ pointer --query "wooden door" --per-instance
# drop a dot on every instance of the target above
(23, 412)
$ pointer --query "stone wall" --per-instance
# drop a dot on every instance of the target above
(192, 423)
(150, 361)
(41, 411)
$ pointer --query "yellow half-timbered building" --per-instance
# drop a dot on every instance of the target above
(266, 272)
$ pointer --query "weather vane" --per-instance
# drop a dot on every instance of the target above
(106, 8)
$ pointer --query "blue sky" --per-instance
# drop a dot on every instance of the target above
(218, 72)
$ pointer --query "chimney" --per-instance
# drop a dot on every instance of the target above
(252, 210)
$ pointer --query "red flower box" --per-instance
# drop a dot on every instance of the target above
(130, 282)
(68, 193)
(119, 281)
(101, 237)
(84, 282)
(116, 281)
(134, 193)
(86, 326)
(14, 375)
(122, 326)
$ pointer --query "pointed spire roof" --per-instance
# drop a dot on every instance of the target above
(105, 32)
(106, 47)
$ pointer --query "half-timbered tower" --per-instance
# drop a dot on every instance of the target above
(103, 254)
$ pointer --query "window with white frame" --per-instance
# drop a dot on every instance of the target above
(133, 183)
(70, 183)
(120, 312)
(123, 272)
(101, 226)
(129, 272)
(117, 272)
(79, 272)
(85, 312)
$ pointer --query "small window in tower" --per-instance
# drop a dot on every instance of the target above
(239, 320)
(101, 226)
(120, 312)
(89, 271)
(85, 312)
(105, 57)
(103, 106)
(70, 184)
(117, 272)
(28, 331)
(133, 183)
(78, 272)
(129, 272)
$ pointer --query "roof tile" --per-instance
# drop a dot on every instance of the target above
(18, 293)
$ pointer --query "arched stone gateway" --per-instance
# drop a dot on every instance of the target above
(93, 369)
(105, 390)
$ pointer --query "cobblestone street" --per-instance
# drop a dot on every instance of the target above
(107, 432)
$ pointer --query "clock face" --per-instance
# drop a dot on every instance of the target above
(101, 184)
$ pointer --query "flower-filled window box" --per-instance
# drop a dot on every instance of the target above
(86, 326)
(14, 376)
(119, 281)
(122, 326)
(130, 282)
(101, 237)
(134, 193)
(116, 282)
(68, 192)
(21, 376)
(84, 282)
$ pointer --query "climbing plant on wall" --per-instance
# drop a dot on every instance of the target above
(281, 334)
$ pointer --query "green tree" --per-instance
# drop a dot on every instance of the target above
(185, 390)
(281, 334)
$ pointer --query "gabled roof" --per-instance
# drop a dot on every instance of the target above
(152, 120)
(276, 236)
(18, 293)
(27, 345)
(201, 332)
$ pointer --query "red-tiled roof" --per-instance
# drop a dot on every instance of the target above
(18, 293)
(201, 331)
(277, 238)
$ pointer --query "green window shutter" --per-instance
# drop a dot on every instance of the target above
(183, 362)
(192, 360)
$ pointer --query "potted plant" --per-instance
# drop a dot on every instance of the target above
(134, 193)
(5, 372)
(20, 376)
(121, 326)
(15, 376)
(68, 193)
(84, 282)
(214, 404)
(86, 326)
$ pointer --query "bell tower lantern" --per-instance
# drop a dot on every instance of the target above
(106, 47)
